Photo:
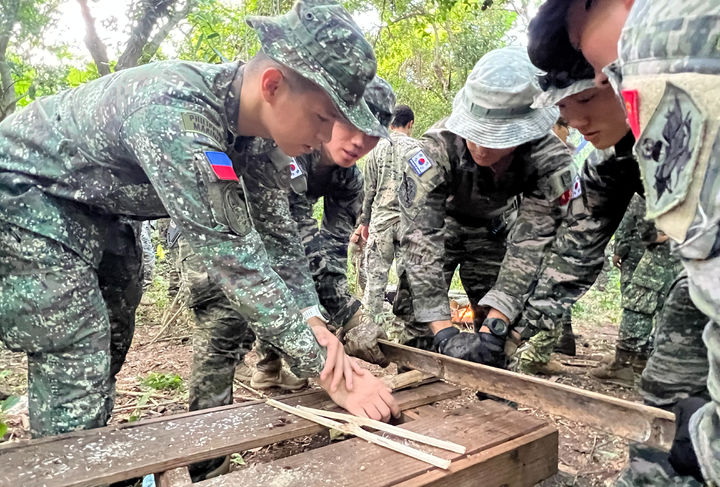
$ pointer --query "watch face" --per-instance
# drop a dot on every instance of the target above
(498, 327)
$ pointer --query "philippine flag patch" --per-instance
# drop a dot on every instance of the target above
(221, 165)
(420, 163)
(295, 170)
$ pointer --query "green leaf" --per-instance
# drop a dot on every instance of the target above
(9, 403)
(3, 428)
(237, 459)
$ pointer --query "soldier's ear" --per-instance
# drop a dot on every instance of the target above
(271, 82)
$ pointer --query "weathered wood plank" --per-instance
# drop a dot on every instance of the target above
(177, 477)
(627, 419)
(111, 454)
(502, 443)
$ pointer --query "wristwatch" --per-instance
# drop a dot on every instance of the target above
(313, 312)
(497, 327)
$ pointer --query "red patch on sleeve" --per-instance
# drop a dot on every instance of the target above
(632, 101)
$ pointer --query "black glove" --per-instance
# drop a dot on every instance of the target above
(449, 341)
(682, 456)
(492, 350)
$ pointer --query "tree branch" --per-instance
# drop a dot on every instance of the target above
(92, 41)
(152, 47)
(146, 19)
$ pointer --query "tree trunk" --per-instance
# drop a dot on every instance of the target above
(92, 41)
(7, 90)
(146, 20)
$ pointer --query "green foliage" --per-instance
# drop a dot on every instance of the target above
(598, 306)
(5, 406)
(163, 382)
(237, 459)
(158, 291)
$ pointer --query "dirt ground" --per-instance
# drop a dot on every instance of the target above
(587, 457)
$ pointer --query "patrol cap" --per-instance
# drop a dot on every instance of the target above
(321, 42)
(380, 97)
(494, 107)
(567, 72)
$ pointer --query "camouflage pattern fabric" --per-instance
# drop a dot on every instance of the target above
(608, 181)
(451, 208)
(383, 171)
(644, 296)
(668, 54)
(678, 365)
(629, 244)
(326, 247)
(74, 321)
(649, 467)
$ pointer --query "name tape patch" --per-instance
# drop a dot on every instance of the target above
(420, 163)
(221, 165)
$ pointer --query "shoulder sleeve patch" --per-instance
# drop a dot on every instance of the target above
(194, 122)
(295, 169)
(221, 165)
(420, 163)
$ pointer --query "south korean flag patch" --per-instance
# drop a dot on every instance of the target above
(576, 188)
(420, 163)
(295, 170)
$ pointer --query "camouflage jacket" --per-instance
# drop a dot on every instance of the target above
(145, 143)
(442, 181)
(383, 171)
(326, 247)
(608, 181)
(635, 232)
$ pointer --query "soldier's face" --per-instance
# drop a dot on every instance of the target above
(596, 31)
(348, 144)
(300, 121)
(597, 114)
(484, 156)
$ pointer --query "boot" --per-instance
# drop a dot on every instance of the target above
(282, 378)
(209, 469)
(551, 367)
(619, 370)
(566, 343)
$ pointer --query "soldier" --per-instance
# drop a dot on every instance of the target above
(380, 221)
(331, 174)
(667, 47)
(459, 202)
(154, 141)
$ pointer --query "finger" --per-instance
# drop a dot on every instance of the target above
(372, 412)
(390, 401)
(331, 360)
(382, 408)
(356, 367)
(348, 372)
(339, 369)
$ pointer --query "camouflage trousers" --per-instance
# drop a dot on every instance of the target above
(221, 339)
(539, 348)
(73, 319)
(383, 247)
(649, 467)
(678, 365)
(477, 253)
(644, 295)
(171, 256)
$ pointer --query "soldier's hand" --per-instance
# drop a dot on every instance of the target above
(361, 340)
(337, 363)
(449, 341)
(616, 260)
(370, 397)
(492, 350)
(360, 236)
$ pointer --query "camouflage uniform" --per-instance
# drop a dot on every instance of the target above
(669, 56)
(628, 240)
(381, 212)
(458, 213)
(326, 247)
(148, 256)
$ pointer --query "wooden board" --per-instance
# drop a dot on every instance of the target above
(111, 454)
(177, 477)
(630, 420)
(505, 448)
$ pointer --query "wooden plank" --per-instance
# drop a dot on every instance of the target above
(501, 444)
(630, 420)
(177, 477)
(111, 454)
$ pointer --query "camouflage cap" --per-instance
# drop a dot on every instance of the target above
(380, 97)
(321, 42)
(493, 108)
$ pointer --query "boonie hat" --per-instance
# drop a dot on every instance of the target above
(380, 97)
(321, 42)
(494, 108)
(553, 94)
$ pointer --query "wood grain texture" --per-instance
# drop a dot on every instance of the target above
(630, 420)
(111, 454)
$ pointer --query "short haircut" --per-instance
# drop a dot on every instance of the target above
(549, 46)
(297, 82)
(402, 115)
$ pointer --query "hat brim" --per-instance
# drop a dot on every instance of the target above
(502, 133)
(284, 50)
(553, 95)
